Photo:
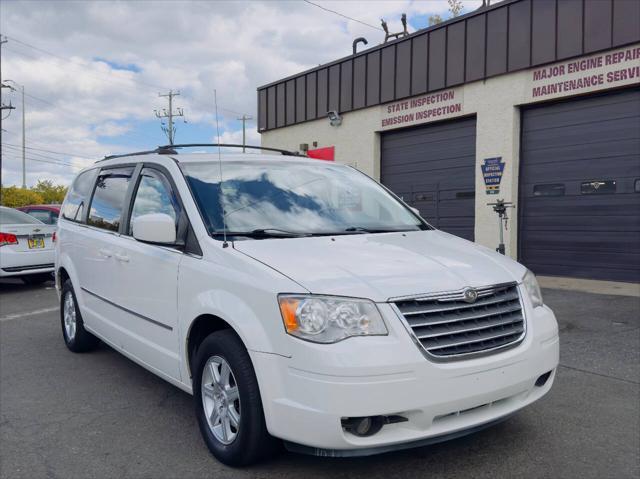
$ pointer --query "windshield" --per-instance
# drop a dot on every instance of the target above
(287, 197)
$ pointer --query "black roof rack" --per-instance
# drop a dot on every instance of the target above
(171, 150)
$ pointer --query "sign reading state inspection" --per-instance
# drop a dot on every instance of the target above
(422, 109)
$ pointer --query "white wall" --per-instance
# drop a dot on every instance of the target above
(495, 102)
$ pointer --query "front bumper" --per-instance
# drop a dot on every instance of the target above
(306, 396)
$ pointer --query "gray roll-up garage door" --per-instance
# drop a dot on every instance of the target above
(580, 188)
(432, 168)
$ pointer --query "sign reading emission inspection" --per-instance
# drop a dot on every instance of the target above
(422, 109)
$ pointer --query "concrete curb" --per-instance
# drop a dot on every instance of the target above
(590, 286)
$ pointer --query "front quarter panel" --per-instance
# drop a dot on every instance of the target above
(239, 290)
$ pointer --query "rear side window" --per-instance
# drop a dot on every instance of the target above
(75, 202)
(108, 198)
(154, 195)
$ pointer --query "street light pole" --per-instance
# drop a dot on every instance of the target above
(244, 120)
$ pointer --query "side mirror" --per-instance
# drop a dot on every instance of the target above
(415, 210)
(155, 228)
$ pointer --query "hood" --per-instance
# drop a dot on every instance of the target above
(385, 265)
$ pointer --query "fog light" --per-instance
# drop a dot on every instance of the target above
(363, 426)
(368, 425)
(542, 380)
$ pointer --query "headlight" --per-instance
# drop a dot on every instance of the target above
(328, 319)
(533, 288)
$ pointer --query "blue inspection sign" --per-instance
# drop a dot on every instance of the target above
(492, 173)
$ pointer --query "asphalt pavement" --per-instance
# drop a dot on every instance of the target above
(99, 415)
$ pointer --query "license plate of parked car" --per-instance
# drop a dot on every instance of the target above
(36, 242)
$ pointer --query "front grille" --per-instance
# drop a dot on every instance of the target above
(448, 327)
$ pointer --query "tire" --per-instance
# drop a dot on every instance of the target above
(77, 339)
(37, 278)
(251, 443)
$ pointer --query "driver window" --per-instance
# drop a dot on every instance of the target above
(154, 195)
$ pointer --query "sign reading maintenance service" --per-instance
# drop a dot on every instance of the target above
(596, 72)
(492, 170)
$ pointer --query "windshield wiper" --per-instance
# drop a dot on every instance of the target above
(358, 229)
(361, 230)
(263, 233)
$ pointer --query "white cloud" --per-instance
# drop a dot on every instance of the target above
(87, 108)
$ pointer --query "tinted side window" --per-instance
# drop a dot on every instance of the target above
(154, 195)
(108, 198)
(75, 202)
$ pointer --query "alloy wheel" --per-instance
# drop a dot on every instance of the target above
(69, 315)
(221, 399)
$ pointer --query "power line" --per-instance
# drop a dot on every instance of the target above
(38, 155)
(53, 151)
(14, 157)
(341, 15)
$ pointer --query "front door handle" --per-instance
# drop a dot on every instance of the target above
(122, 257)
(105, 253)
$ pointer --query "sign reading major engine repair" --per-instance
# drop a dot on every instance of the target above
(596, 72)
(492, 170)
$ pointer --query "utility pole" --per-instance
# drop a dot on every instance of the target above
(3, 107)
(169, 114)
(24, 162)
(244, 131)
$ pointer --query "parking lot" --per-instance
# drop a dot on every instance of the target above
(100, 415)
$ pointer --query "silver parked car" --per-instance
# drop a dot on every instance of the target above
(26, 247)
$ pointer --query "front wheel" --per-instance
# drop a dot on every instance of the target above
(227, 402)
(75, 336)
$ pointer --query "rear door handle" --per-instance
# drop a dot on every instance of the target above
(105, 253)
(122, 257)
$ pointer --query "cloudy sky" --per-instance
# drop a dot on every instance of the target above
(92, 70)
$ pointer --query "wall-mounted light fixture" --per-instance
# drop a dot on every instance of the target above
(334, 118)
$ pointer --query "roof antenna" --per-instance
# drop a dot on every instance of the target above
(220, 193)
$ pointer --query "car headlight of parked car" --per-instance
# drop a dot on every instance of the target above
(328, 319)
(533, 288)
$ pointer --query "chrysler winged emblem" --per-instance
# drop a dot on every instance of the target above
(469, 295)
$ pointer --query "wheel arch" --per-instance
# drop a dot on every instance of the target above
(201, 327)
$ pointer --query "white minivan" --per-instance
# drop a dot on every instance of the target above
(299, 301)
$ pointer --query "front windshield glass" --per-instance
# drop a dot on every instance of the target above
(294, 197)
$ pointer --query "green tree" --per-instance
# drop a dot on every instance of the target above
(455, 9)
(434, 19)
(50, 193)
(14, 197)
